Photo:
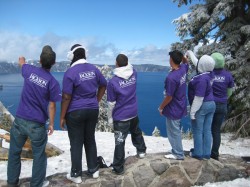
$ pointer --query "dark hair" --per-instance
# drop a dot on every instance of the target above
(122, 60)
(78, 54)
(47, 57)
(176, 56)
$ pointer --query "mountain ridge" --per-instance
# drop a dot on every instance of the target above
(62, 66)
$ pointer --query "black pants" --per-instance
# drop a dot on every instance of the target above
(121, 129)
(81, 131)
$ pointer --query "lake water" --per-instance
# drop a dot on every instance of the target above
(149, 93)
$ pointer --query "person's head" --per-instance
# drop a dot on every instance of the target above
(76, 52)
(219, 60)
(205, 64)
(47, 57)
(121, 60)
(175, 57)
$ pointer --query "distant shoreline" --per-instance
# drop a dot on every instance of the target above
(62, 66)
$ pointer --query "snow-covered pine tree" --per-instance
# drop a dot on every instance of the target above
(102, 124)
(222, 26)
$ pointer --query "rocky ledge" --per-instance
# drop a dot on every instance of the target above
(155, 170)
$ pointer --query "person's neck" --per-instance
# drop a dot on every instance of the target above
(175, 67)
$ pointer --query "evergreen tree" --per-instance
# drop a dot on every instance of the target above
(222, 26)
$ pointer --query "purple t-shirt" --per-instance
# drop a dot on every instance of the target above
(123, 92)
(39, 88)
(175, 86)
(82, 82)
(222, 81)
(201, 86)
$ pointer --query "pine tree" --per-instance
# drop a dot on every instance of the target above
(222, 26)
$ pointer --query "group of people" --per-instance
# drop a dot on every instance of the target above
(208, 92)
(83, 87)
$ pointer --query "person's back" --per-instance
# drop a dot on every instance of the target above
(126, 101)
(36, 93)
(176, 79)
(40, 93)
(83, 88)
(222, 81)
(85, 78)
(122, 113)
(222, 89)
(174, 104)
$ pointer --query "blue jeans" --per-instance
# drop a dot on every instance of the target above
(121, 130)
(219, 116)
(174, 137)
(20, 131)
(81, 131)
(201, 128)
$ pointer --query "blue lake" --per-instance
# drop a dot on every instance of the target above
(149, 93)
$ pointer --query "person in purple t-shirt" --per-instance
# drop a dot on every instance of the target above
(38, 100)
(201, 100)
(83, 89)
(122, 114)
(174, 105)
(222, 90)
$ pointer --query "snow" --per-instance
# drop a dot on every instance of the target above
(105, 148)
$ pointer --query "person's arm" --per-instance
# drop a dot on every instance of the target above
(52, 113)
(111, 106)
(193, 58)
(164, 103)
(21, 61)
(66, 98)
(100, 93)
(184, 60)
(197, 102)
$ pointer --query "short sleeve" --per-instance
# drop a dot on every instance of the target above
(170, 86)
(68, 84)
(101, 79)
(25, 70)
(111, 95)
(55, 91)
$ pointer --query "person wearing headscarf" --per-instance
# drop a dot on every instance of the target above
(222, 89)
(201, 100)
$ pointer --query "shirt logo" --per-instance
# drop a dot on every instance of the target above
(219, 79)
(183, 79)
(129, 82)
(87, 75)
(38, 80)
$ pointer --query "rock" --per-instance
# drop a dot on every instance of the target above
(143, 176)
(156, 171)
(173, 177)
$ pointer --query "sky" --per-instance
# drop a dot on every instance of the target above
(142, 30)
(105, 147)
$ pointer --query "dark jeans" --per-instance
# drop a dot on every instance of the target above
(36, 132)
(219, 116)
(121, 130)
(81, 131)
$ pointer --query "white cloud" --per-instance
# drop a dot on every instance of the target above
(13, 45)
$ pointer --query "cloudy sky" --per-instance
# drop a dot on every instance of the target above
(141, 29)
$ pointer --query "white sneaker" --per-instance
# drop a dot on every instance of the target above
(170, 156)
(76, 180)
(141, 155)
(45, 183)
(95, 175)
